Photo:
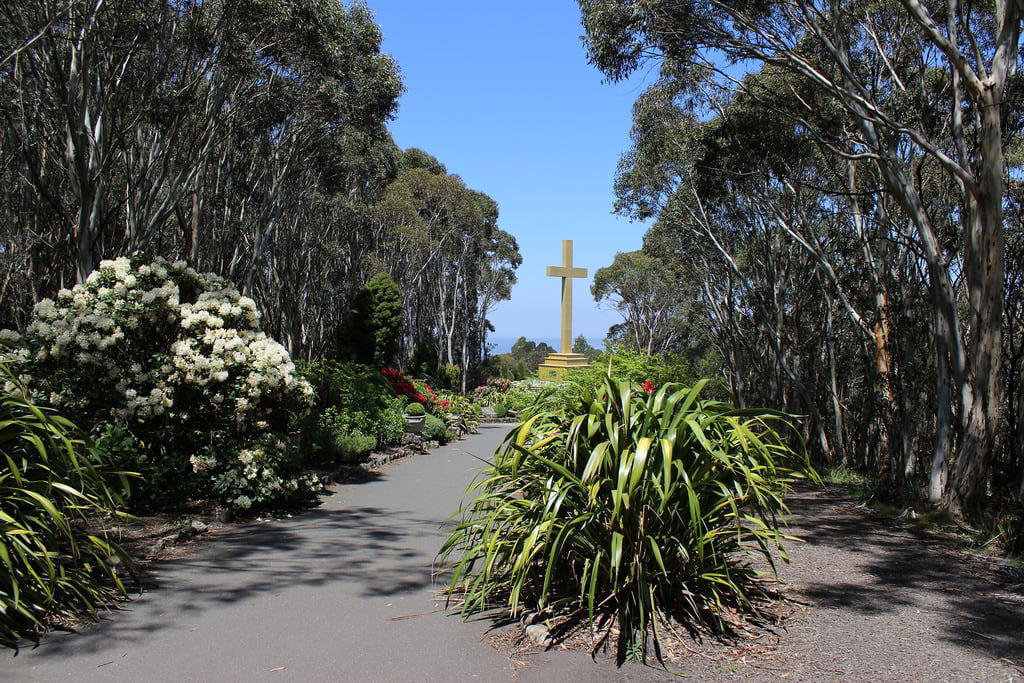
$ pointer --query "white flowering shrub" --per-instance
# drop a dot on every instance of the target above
(171, 364)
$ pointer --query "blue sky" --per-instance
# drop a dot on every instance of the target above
(503, 95)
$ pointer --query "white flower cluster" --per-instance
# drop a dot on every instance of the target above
(252, 476)
(87, 322)
(213, 343)
(178, 356)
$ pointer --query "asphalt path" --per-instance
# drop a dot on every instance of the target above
(345, 592)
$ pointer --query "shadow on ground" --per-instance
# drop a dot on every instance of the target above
(888, 568)
(361, 551)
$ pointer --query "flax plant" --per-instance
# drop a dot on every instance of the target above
(53, 568)
(646, 507)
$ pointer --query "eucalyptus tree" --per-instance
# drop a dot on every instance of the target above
(246, 137)
(641, 288)
(440, 241)
(909, 108)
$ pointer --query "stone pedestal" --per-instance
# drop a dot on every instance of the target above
(558, 365)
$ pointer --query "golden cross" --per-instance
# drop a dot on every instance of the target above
(567, 273)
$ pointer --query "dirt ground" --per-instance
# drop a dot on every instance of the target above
(870, 599)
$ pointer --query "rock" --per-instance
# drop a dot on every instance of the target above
(539, 634)
(529, 618)
(488, 411)
(199, 527)
(167, 541)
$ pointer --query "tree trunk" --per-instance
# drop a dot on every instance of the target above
(985, 271)
(943, 413)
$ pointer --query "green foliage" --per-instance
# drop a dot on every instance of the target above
(581, 346)
(51, 566)
(628, 366)
(261, 474)
(370, 335)
(178, 359)
(844, 476)
(451, 375)
(351, 398)
(435, 429)
(454, 404)
(415, 409)
(354, 446)
(522, 360)
(519, 398)
(500, 409)
(424, 360)
(645, 505)
(642, 288)
(165, 484)
(337, 436)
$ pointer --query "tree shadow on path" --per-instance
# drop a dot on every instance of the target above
(361, 552)
(887, 570)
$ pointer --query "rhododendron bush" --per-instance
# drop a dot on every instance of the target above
(172, 368)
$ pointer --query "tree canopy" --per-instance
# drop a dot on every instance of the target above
(834, 181)
(249, 139)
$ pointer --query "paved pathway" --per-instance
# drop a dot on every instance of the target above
(311, 599)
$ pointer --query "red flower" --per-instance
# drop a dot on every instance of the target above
(648, 386)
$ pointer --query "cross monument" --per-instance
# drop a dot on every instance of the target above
(558, 365)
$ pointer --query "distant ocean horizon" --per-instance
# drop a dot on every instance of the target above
(504, 344)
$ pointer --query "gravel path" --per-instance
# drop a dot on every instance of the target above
(345, 593)
(887, 602)
(878, 601)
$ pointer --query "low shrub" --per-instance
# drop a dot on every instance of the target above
(641, 505)
(335, 436)
(500, 410)
(453, 405)
(519, 398)
(51, 490)
(628, 366)
(415, 409)
(351, 397)
(494, 385)
(434, 429)
(178, 359)
(352, 447)
(258, 474)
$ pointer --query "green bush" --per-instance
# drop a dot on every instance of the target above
(415, 409)
(451, 375)
(646, 506)
(352, 397)
(519, 398)
(453, 405)
(435, 429)
(500, 410)
(354, 446)
(178, 358)
(335, 437)
(53, 568)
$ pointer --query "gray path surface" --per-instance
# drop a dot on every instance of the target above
(312, 599)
